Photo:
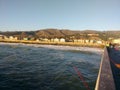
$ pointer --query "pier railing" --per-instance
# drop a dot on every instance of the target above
(105, 79)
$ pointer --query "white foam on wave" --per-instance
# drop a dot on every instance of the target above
(94, 50)
(88, 49)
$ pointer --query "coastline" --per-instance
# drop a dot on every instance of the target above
(77, 44)
(92, 49)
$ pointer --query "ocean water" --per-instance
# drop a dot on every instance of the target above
(38, 68)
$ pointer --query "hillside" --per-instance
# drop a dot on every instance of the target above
(58, 33)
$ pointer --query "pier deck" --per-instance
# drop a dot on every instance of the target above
(109, 72)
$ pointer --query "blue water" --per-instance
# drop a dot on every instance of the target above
(37, 68)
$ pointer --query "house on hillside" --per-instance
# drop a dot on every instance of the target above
(93, 35)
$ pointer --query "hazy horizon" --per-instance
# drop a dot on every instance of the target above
(52, 28)
(31, 15)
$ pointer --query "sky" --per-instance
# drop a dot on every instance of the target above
(21, 15)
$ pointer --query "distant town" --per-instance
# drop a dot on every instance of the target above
(62, 37)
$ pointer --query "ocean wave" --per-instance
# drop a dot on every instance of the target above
(60, 47)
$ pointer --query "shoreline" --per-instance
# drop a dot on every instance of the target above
(77, 44)
(59, 47)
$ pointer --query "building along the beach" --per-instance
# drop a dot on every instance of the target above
(79, 40)
(62, 40)
(89, 41)
(26, 39)
(99, 42)
(6, 38)
(55, 40)
(37, 40)
(44, 39)
(1, 37)
(13, 38)
(9, 38)
(117, 41)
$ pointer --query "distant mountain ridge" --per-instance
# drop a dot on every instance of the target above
(50, 33)
(64, 32)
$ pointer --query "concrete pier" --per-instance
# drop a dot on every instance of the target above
(114, 55)
(105, 80)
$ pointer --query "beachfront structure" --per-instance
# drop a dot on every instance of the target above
(62, 40)
(31, 38)
(51, 40)
(25, 39)
(92, 41)
(44, 39)
(55, 40)
(96, 40)
(99, 42)
(16, 38)
(117, 41)
(79, 40)
(12, 38)
(86, 41)
(1, 37)
(37, 40)
(6, 38)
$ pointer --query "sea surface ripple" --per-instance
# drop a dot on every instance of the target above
(40, 68)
